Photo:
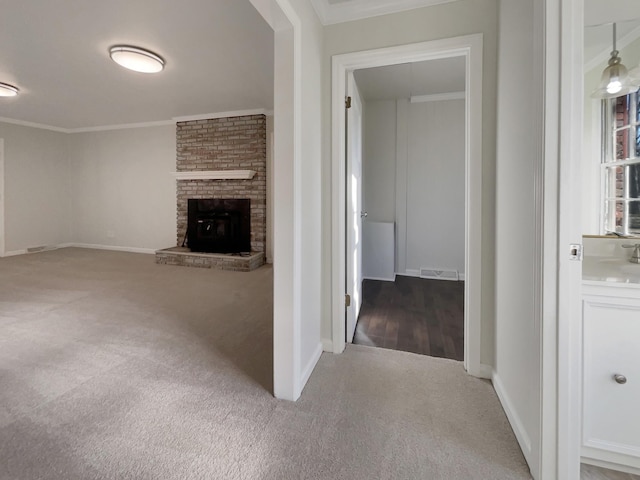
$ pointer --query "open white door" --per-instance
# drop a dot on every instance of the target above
(354, 213)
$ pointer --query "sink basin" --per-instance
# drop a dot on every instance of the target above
(630, 268)
(610, 269)
(611, 260)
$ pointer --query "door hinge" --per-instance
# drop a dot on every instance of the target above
(575, 252)
(347, 300)
(347, 102)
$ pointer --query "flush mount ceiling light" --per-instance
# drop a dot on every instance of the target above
(615, 78)
(7, 90)
(136, 59)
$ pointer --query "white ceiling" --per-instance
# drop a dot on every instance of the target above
(598, 36)
(219, 57)
(597, 12)
(430, 77)
(337, 11)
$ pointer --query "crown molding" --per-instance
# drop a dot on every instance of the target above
(215, 175)
(234, 113)
(438, 97)
(123, 126)
(41, 126)
(358, 9)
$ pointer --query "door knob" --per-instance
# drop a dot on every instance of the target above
(363, 214)
(621, 379)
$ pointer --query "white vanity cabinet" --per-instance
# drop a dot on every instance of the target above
(611, 375)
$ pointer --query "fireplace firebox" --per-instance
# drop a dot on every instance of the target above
(217, 225)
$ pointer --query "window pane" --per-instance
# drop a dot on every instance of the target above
(614, 182)
(638, 139)
(623, 106)
(634, 217)
(634, 181)
(622, 144)
(638, 106)
(634, 195)
(613, 216)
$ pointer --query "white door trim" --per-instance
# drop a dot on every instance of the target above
(569, 230)
(561, 368)
(470, 47)
(2, 200)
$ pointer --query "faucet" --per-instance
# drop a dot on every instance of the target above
(635, 256)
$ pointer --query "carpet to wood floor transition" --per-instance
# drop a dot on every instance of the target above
(413, 315)
(114, 367)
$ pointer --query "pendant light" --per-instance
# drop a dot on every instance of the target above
(615, 78)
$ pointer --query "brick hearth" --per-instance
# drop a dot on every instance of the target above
(221, 261)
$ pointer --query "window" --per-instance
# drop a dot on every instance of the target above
(621, 164)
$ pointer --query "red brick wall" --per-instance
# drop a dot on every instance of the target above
(232, 143)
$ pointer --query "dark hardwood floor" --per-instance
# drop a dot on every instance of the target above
(414, 315)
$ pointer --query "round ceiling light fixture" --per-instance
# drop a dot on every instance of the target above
(7, 90)
(136, 59)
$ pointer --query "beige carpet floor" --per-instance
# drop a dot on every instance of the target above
(112, 367)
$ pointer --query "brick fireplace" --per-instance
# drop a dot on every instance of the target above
(222, 158)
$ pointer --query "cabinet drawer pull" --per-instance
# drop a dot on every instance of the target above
(621, 379)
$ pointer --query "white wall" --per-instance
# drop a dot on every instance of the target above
(422, 191)
(37, 193)
(110, 188)
(435, 186)
(517, 367)
(310, 212)
(123, 192)
(297, 193)
(440, 21)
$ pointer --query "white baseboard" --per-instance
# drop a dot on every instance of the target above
(327, 345)
(483, 371)
(150, 251)
(13, 253)
(416, 273)
(410, 273)
(610, 465)
(308, 369)
(514, 419)
(393, 279)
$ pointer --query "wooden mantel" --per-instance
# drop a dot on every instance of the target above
(215, 175)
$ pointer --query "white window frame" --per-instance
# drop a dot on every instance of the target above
(608, 161)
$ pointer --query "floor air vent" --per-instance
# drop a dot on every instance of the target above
(438, 274)
(43, 248)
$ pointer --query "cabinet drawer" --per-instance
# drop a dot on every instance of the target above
(611, 411)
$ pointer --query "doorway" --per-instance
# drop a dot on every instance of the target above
(413, 205)
(470, 49)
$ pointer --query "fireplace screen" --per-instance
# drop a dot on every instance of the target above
(219, 225)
